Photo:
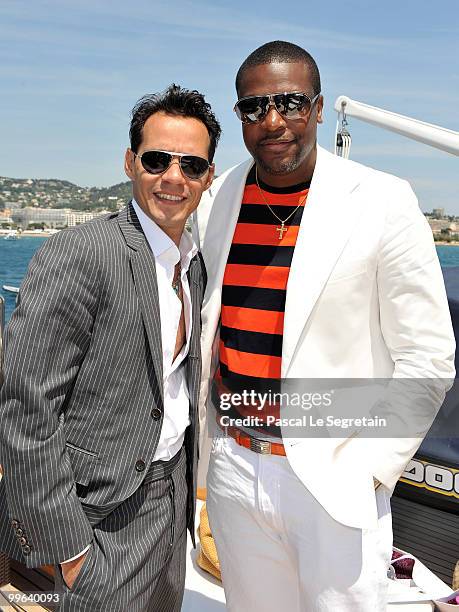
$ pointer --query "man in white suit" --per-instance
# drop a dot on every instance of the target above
(318, 268)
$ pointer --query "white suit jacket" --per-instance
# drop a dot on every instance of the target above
(365, 299)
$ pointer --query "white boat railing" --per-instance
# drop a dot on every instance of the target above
(427, 133)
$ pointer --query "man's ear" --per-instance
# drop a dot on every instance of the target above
(210, 177)
(320, 107)
(129, 161)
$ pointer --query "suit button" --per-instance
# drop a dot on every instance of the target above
(22, 541)
(26, 550)
(140, 465)
(19, 533)
(14, 524)
(156, 413)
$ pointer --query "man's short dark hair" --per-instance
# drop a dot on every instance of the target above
(280, 52)
(175, 100)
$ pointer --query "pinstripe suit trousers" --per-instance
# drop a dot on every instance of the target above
(137, 559)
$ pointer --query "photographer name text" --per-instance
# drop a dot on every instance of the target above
(306, 420)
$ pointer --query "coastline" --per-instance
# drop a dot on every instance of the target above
(29, 234)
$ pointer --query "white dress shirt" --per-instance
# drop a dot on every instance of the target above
(176, 397)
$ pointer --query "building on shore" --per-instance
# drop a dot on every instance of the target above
(443, 226)
(438, 213)
(53, 218)
(5, 217)
(48, 217)
(77, 217)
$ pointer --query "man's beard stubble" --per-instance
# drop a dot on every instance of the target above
(283, 167)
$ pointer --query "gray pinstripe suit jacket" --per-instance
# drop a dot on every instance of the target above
(82, 401)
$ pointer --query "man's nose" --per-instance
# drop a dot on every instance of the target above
(174, 173)
(274, 120)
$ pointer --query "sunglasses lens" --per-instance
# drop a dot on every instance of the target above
(156, 162)
(193, 167)
(293, 105)
(252, 109)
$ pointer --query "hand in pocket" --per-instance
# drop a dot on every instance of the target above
(72, 569)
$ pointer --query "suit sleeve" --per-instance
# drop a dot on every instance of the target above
(46, 342)
(416, 326)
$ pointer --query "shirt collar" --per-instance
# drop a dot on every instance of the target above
(164, 249)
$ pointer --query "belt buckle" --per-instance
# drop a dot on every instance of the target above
(262, 447)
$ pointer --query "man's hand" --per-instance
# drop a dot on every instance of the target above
(71, 569)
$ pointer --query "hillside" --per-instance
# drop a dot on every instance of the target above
(55, 193)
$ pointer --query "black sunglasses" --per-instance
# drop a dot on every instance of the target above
(157, 162)
(292, 105)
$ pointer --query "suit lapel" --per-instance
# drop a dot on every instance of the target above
(143, 269)
(328, 219)
(193, 376)
(217, 216)
(193, 362)
(196, 288)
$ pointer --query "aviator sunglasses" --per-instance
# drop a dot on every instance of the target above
(292, 105)
(157, 162)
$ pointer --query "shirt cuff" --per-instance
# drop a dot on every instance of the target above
(78, 555)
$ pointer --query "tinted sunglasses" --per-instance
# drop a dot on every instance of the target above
(157, 162)
(292, 105)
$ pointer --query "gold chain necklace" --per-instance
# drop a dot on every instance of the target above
(282, 229)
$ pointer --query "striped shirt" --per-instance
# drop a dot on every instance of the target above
(254, 289)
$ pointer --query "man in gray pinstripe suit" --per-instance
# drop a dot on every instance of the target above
(102, 367)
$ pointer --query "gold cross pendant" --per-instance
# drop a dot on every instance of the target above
(281, 230)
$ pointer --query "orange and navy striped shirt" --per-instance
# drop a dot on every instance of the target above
(254, 287)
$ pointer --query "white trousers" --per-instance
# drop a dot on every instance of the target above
(280, 550)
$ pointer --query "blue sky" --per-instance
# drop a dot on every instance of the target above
(70, 73)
